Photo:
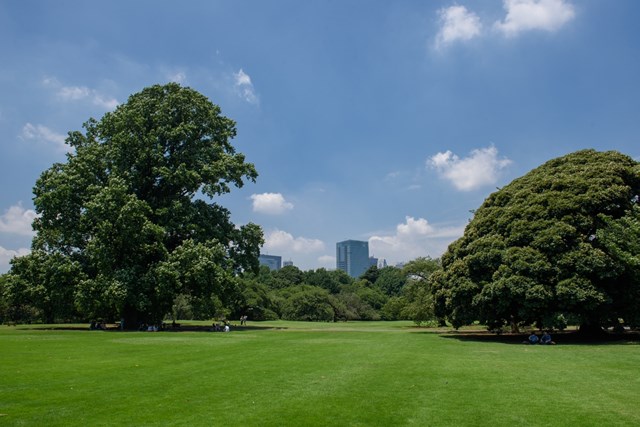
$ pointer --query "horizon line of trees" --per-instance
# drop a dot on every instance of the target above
(388, 293)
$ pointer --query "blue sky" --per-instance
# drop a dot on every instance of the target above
(379, 121)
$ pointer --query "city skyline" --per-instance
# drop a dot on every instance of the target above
(379, 262)
(352, 257)
(388, 124)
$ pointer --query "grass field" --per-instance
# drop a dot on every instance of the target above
(310, 374)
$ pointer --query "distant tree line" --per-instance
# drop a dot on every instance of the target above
(388, 293)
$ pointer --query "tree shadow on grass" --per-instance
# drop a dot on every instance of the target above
(571, 337)
(181, 328)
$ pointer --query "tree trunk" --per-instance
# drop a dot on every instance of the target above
(49, 317)
(591, 330)
(131, 319)
(514, 326)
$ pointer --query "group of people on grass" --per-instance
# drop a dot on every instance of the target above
(97, 326)
(544, 339)
(221, 327)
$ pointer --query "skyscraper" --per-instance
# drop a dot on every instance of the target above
(274, 262)
(352, 256)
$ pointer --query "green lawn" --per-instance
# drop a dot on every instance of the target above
(299, 374)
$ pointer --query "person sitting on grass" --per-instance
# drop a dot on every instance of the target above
(546, 338)
(533, 338)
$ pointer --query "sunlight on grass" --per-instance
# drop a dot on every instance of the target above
(295, 373)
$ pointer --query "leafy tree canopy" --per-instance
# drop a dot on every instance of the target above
(390, 280)
(289, 275)
(421, 268)
(310, 303)
(127, 222)
(329, 280)
(559, 242)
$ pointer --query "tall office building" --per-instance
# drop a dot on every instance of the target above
(352, 256)
(373, 261)
(274, 262)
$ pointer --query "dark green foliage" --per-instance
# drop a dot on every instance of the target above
(371, 275)
(123, 226)
(291, 294)
(15, 302)
(362, 301)
(419, 302)
(258, 302)
(390, 280)
(329, 280)
(421, 268)
(355, 308)
(415, 299)
(309, 303)
(44, 282)
(559, 242)
(289, 275)
(324, 295)
(187, 307)
(392, 310)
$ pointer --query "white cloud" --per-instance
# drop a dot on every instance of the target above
(523, 15)
(457, 24)
(481, 168)
(244, 87)
(327, 261)
(179, 77)
(44, 134)
(7, 254)
(412, 239)
(242, 78)
(50, 81)
(270, 203)
(17, 220)
(412, 226)
(73, 93)
(283, 242)
(105, 103)
(80, 93)
(393, 175)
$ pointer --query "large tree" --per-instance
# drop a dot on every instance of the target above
(561, 242)
(131, 210)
